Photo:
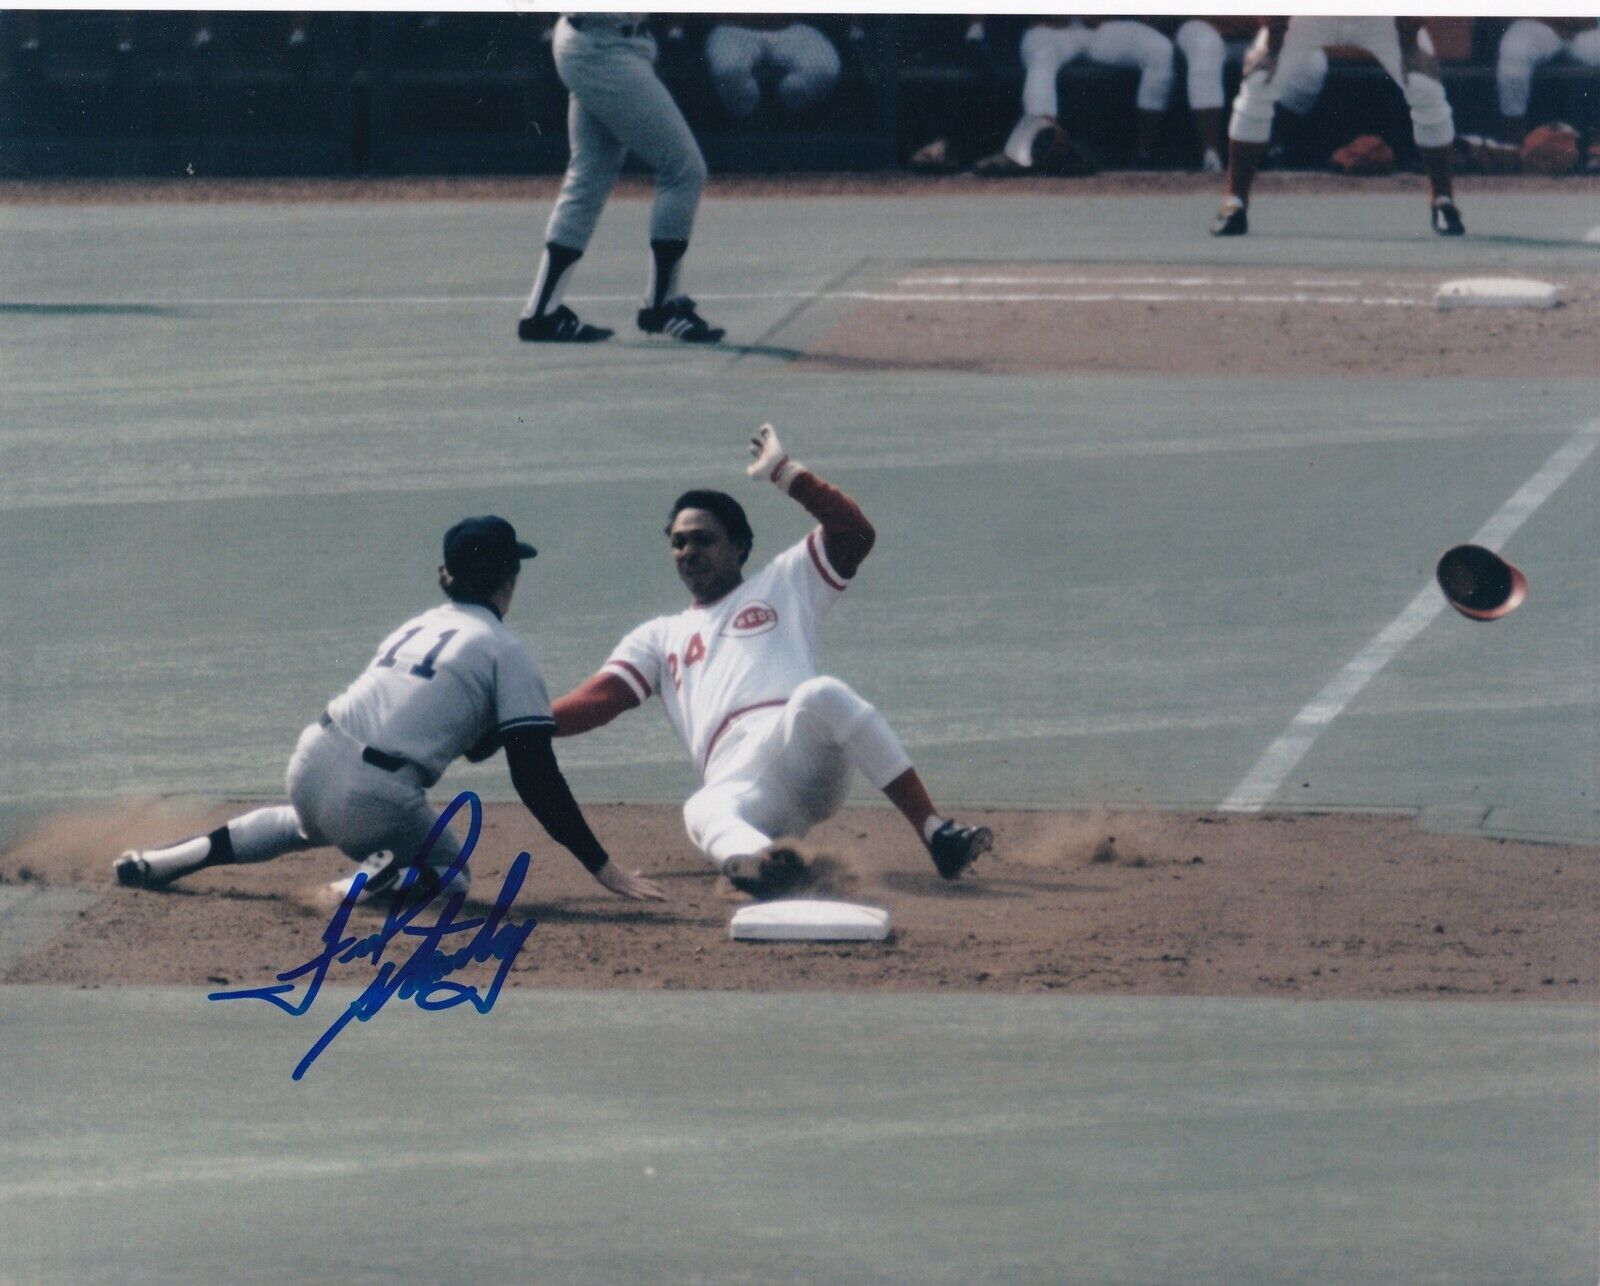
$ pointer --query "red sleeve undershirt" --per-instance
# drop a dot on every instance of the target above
(847, 536)
(596, 701)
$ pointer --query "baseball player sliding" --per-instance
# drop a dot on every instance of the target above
(617, 104)
(453, 681)
(775, 743)
(1403, 49)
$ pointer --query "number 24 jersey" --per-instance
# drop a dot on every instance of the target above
(748, 651)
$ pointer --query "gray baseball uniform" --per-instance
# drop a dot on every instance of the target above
(452, 681)
(618, 105)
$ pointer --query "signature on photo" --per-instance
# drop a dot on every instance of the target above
(423, 977)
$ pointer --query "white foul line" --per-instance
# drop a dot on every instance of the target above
(1263, 781)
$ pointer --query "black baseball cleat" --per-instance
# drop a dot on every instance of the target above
(560, 327)
(678, 320)
(770, 874)
(392, 882)
(1231, 221)
(955, 848)
(133, 872)
(1447, 219)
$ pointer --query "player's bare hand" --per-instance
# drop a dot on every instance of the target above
(633, 886)
(766, 452)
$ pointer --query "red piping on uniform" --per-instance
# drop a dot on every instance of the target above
(633, 670)
(811, 548)
(723, 727)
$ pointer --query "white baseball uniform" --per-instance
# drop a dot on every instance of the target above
(436, 687)
(1527, 45)
(1432, 123)
(1047, 48)
(806, 61)
(773, 742)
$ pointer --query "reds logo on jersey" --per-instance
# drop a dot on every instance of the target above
(753, 618)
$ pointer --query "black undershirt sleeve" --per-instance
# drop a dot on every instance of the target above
(538, 779)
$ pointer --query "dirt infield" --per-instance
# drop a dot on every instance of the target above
(1239, 321)
(1155, 903)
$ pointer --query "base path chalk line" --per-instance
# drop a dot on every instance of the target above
(1281, 757)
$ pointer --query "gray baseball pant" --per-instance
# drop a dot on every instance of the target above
(618, 105)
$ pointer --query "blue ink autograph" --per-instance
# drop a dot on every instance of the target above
(422, 977)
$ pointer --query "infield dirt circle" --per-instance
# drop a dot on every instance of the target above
(1157, 903)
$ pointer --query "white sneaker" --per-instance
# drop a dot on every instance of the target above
(1211, 162)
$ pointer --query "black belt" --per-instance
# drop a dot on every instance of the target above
(389, 763)
(628, 29)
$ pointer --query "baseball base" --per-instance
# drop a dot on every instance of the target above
(1497, 292)
(809, 920)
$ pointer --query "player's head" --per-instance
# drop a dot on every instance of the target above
(710, 539)
(482, 556)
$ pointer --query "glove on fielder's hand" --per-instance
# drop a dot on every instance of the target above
(770, 460)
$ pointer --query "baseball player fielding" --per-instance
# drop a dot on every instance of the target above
(1282, 48)
(453, 681)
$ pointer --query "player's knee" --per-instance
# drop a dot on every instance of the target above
(1432, 124)
(686, 173)
(699, 815)
(1513, 86)
(834, 704)
(1300, 90)
(1252, 110)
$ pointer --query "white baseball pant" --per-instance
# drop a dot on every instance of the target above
(1527, 45)
(1432, 124)
(1046, 50)
(790, 769)
(806, 58)
(1206, 54)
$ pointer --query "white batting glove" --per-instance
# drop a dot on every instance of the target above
(770, 460)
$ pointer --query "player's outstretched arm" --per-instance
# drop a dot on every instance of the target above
(592, 704)
(846, 534)
(538, 779)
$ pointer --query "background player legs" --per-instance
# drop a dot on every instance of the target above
(639, 113)
(1408, 57)
(1526, 45)
(809, 63)
(619, 105)
(1203, 56)
(597, 157)
(732, 54)
(1143, 48)
(1045, 51)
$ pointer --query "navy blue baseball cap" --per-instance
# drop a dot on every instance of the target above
(486, 544)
